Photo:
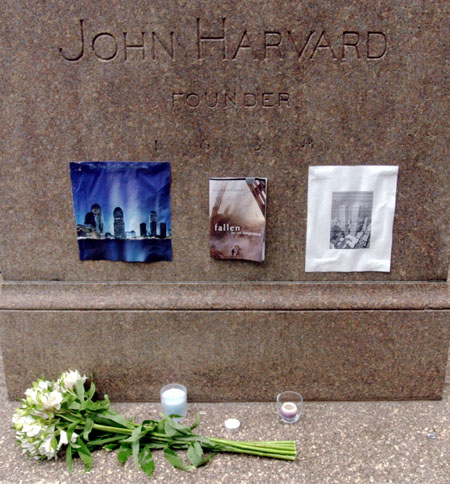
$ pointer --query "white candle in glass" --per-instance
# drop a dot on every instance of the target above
(289, 405)
(288, 410)
(174, 400)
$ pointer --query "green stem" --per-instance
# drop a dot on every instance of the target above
(260, 453)
(276, 449)
(65, 417)
(273, 447)
(256, 446)
(106, 428)
(286, 451)
(116, 430)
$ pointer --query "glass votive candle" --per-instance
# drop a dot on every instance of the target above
(289, 406)
(174, 400)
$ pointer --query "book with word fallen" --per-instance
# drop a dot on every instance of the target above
(237, 216)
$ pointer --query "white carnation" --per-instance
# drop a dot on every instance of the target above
(43, 415)
(29, 448)
(68, 379)
(37, 431)
(52, 400)
(32, 396)
(33, 428)
(47, 447)
(18, 416)
(62, 439)
(44, 384)
(19, 420)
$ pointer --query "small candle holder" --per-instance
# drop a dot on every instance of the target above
(289, 406)
(174, 400)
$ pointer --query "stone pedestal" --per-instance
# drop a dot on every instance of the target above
(232, 342)
(224, 89)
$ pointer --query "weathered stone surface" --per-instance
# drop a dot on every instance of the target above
(319, 100)
(226, 296)
(297, 84)
(234, 355)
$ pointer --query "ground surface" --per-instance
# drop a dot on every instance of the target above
(338, 442)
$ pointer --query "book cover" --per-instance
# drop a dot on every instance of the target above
(237, 215)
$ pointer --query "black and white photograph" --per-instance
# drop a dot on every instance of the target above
(351, 220)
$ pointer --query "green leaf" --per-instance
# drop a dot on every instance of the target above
(91, 391)
(160, 426)
(115, 417)
(173, 428)
(169, 429)
(156, 445)
(98, 405)
(183, 429)
(135, 452)
(79, 387)
(208, 458)
(146, 460)
(149, 425)
(175, 459)
(74, 406)
(85, 455)
(102, 441)
(54, 443)
(198, 448)
(135, 435)
(194, 455)
(135, 442)
(124, 452)
(111, 446)
(196, 423)
(87, 428)
(69, 458)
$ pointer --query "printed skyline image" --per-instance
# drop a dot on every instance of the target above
(122, 210)
(351, 220)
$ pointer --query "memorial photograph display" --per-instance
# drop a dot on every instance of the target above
(256, 299)
(122, 210)
(350, 207)
(351, 214)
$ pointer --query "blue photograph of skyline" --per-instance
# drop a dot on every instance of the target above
(122, 210)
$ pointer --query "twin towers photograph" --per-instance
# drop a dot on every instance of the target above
(122, 210)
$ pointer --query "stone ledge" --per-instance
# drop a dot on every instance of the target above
(224, 296)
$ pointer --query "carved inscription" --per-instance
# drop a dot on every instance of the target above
(108, 46)
(231, 99)
(253, 143)
(224, 41)
(280, 44)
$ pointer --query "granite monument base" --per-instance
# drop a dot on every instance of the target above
(373, 341)
(223, 88)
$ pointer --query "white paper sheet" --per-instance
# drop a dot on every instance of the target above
(350, 218)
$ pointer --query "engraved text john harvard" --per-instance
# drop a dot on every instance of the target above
(215, 40)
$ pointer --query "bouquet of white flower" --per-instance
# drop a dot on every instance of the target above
(58, 416)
